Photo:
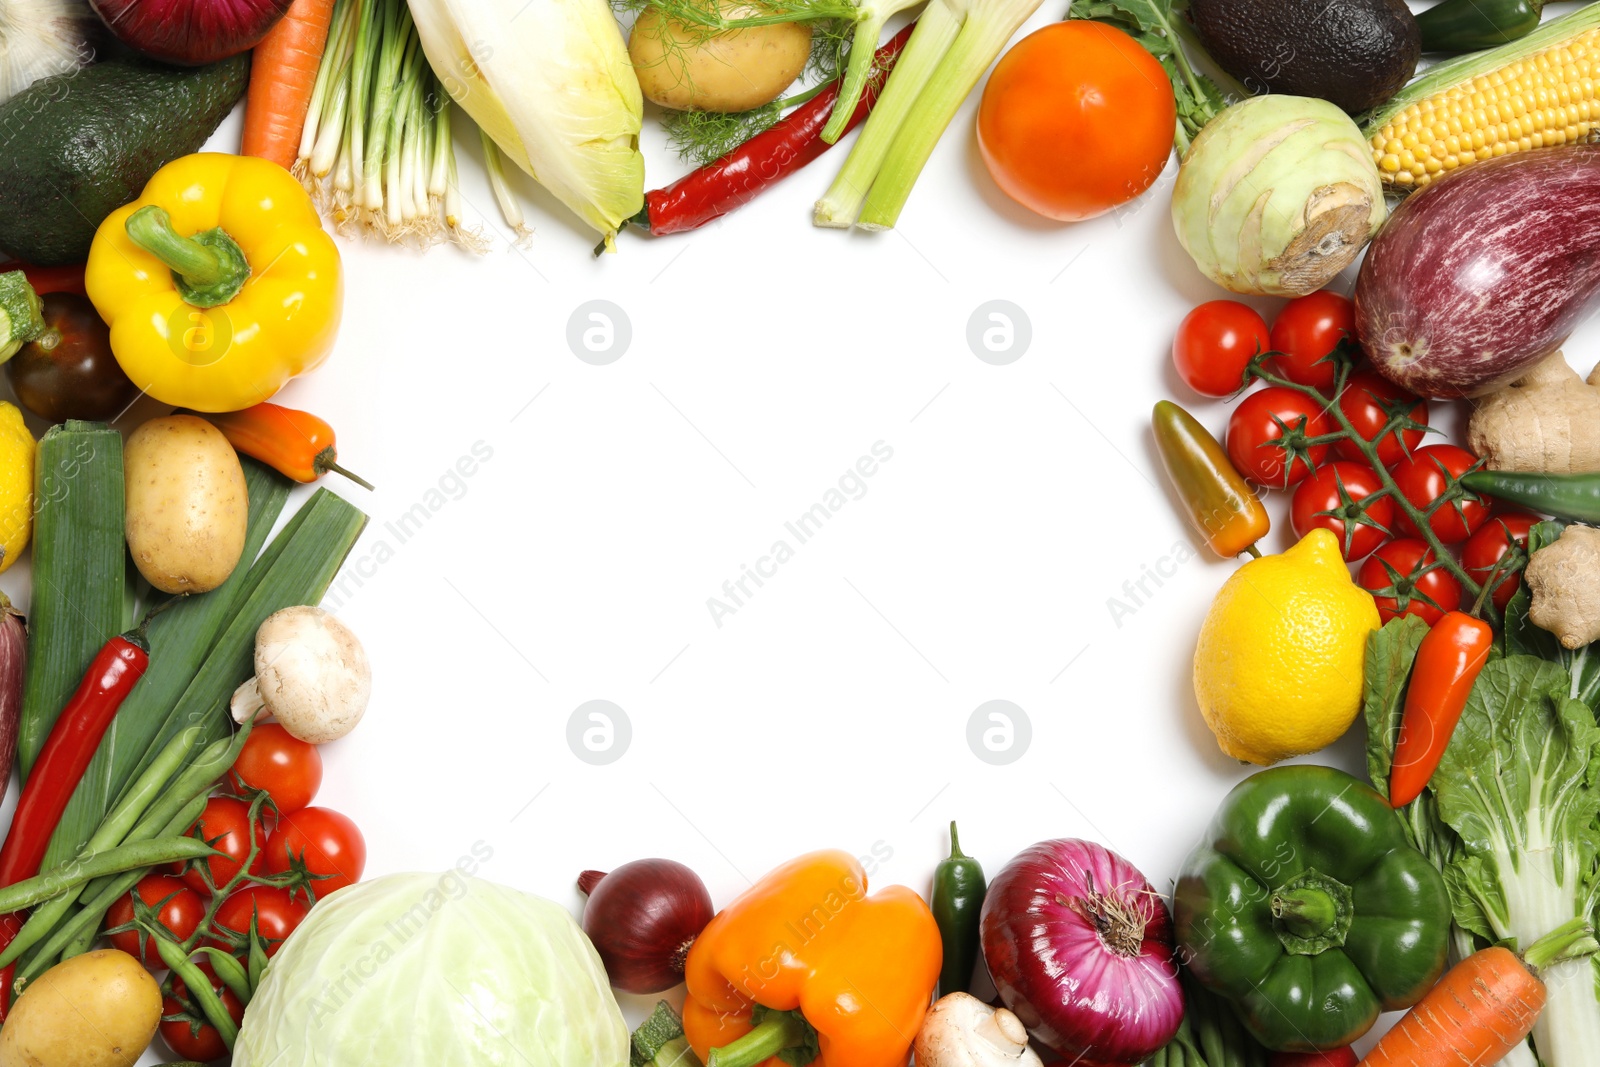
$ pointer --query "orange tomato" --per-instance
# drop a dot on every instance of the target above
(1076, 119)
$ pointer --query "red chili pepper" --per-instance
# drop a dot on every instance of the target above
(1448, 662)
(767, 158)
(116, 669)
(294, 443)
(50, 279)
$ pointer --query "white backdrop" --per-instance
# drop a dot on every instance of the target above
(575, 519)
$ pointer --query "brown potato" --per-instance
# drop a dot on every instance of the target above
(99, 1009)
(680, 68)
(187, 504)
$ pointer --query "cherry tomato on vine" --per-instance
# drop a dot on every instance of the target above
(183, 1025)
(1339, 1057)
(1342, 497)
(1424, 478)
(1306, 331)
(1263, 420)
(177, 910)
(1485, 548)
(1368, 401)
(225, 826)
(321, 841)
(1215, 343)
(1402, 578)
(290, 770)
(277, 913)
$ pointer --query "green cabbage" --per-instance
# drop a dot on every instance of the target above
(438, 970)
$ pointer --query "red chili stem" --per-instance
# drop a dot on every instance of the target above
(50, 279)
(1448, 662)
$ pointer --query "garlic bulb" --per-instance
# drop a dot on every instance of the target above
(39, 38)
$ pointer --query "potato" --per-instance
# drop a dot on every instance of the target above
(679, 67)
(99, 1009)
(187, 504)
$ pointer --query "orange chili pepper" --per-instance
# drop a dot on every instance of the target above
(296, 444)
(807, 965)
(1216, 499)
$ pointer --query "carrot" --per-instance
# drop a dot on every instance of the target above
(1482, 1009)
(283, 74)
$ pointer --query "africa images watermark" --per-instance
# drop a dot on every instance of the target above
(852, 485)
(1137, 592)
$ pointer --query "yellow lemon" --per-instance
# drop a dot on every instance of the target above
(1278, 668)
(16, 484)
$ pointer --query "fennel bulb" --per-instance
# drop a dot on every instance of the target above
(550, 82)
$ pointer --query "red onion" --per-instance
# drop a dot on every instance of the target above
(642, 918)
(1080, 948)
(190, 32)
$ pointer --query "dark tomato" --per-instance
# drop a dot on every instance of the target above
(178, 910)
(68, 372)
(1367, 401)
(1305, 332)
(1215, 342)
(1423, 479)
(276, 911)
(290, 770)
(225, 826)
(1274, 415)
(1339, 1057)
(193, 1038)
(1403, 578)
(1485, 548)
(1341, 497)
(322, 841)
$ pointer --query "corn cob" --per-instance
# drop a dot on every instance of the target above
(1537, 92)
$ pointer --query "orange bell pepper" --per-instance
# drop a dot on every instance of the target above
(806, 968)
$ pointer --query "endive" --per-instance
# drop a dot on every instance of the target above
(550, 82)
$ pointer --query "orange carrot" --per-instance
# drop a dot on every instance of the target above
(283, 74)
(1481, 1010)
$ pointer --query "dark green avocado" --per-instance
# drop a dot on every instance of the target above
(75, 147)
(1355, 53)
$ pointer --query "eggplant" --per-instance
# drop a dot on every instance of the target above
(1483, 273)
(13, 667)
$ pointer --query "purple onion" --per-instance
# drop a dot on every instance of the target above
(1079, 945)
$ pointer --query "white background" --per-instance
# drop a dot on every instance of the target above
(766, 357)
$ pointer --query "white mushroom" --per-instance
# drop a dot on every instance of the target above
(963, 1031)
(312, 676)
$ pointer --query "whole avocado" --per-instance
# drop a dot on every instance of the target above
(1354, 53)
(78, 146)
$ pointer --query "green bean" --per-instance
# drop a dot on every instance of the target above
(231, 971)
(117, 825)
(199, 987)
(258, 964)
(36, 890)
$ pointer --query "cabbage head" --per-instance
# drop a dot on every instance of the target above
(434, 970)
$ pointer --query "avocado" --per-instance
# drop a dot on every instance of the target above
(77, 146)
(1354, 53)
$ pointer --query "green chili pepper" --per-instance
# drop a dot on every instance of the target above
(958, 890)
(1473, 25)
(1566, 496)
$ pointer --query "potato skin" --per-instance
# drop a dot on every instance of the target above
(681, 69)
(187, 504)
(99, 1009)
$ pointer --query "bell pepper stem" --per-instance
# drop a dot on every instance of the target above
(780, 1030)
(1306, 912)
(209, 268)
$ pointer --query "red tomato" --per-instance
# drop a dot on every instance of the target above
(193, 1038)
(276, 911)
(1341, 497)
(1339, 1057)
(1369, 401)
(178, 910)
(1403, 578)
(322, 841)
(1263, 418)
(1306, 331)
(1076, 119)
(225, 826)
(1215, 342)
(290, 770)
(1484, 549)
(1424, 477)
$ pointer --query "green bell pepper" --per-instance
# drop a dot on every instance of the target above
(1306, 908)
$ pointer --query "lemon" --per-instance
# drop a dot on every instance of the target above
(1278, 668)
(16, 484)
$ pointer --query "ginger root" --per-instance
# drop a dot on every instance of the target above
(1564, 579)
(1547, 421)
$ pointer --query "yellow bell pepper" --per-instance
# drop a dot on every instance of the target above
(219, 283)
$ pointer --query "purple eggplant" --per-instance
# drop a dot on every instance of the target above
(1483, 273)
(13, 667)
